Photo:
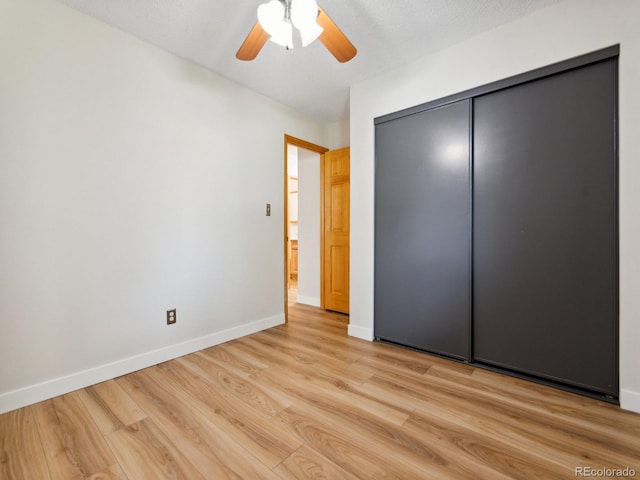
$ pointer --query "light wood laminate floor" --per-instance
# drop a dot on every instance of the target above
(305, 401)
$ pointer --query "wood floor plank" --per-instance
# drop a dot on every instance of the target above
(380, 387)
(337, 447)
(307, 464)
(402, 362)
(73, 445)
(530, 443)
(242, 389)
(238, 363)
(558, 401)
(332, 336)
(334, 389)
(486, 450)
(307, 314)
(110, 406)
(299, 360)
(450, 368)
(207, 446)
(351, 448)
(260, 347)
(21, 453)
(258, 433)
(316, 344)
(531, 432)
(566, 416)
(114, 472)
(359, 425)
(143, 451)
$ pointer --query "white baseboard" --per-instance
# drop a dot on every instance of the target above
(59, 386)
(630, 400)
(314, 302)
(361, 332)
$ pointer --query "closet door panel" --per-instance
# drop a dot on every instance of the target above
(545, 228)
(422, 230)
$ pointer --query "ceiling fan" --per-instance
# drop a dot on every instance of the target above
(276, 20)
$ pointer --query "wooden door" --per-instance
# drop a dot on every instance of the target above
(335, 230)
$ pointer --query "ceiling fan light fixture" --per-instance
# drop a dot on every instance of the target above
(276, 19)
(283, 35)
(271, 15)
(304, 14)
(310, 33)
(272, 18)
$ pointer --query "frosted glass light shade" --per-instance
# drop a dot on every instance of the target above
(304, 14)
(309, 33)
(271, 17)
(283, 36)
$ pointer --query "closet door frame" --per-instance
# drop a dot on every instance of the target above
(608, 53)
(559, 67)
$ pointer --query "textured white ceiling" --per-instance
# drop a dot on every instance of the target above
(387, 34)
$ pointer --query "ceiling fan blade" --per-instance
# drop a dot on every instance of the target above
(253, 43)
(333, 38)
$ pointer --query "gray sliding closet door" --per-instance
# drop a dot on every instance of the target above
(423, 230)
(545, 228)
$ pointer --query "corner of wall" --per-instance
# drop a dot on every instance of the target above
(338, 134)
(362, 333)
(312, 301)
(630, 400)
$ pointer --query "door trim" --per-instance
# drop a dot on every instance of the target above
(296, 142)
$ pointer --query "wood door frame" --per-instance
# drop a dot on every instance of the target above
(298, 142)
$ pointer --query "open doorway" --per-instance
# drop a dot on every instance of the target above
(304, 218)
(303, 222)
(316, 225)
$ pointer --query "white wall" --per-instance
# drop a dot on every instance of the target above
(308, 228)
(339, 135)
(553, 34)
(292, 160)
(131, 182)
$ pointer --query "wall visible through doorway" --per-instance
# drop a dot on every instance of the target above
(306, 164)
